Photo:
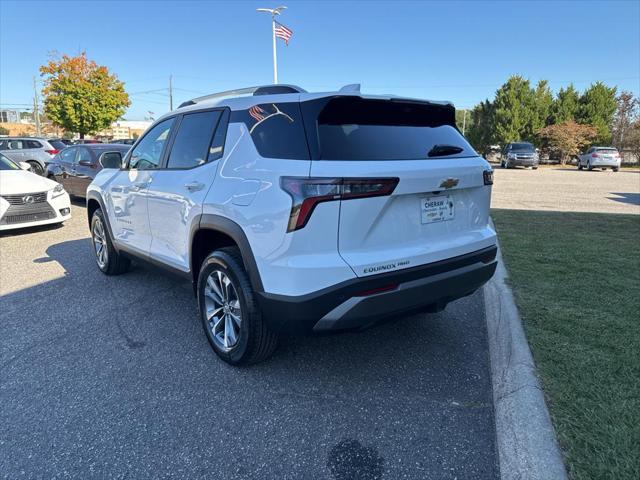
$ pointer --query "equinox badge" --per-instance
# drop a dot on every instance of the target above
(449, 183)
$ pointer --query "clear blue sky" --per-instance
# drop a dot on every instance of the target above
(458, 51)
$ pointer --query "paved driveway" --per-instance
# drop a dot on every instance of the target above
(113, 377)
(567, 189)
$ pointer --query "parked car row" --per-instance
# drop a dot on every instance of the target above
(38, 152)
(524, 154)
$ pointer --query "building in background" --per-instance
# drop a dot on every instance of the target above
(9, 116)
(124, 129)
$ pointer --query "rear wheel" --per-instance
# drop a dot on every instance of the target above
(230, 315)
(589, 167)
(36, 167)
(109, 261)
(615, 169)
(579, 165)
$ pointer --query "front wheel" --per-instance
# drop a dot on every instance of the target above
(589, 167)
(230, 315)
(615, 169)
(579, 165)
(109, 261)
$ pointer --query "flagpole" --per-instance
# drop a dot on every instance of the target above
(274, 12)
(275, 59)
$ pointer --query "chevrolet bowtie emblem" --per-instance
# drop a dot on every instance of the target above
(449, 183)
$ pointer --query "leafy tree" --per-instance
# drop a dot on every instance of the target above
(4, 131)
(567, 139)
(565, 105)
(513, 111)
(626, 114)
(633, 140)
(480, 132)
(596, 107)
(542, 103)
(82, 96)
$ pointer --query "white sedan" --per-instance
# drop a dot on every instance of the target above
(29, 200)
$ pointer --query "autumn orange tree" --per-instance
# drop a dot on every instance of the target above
(82, 96)
(567, 139)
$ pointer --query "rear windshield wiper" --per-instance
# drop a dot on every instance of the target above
(444, 150)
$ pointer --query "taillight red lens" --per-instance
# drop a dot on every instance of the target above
(52, 152)
(306, 193)
(594, 155)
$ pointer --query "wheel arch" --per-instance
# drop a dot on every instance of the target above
(210, 232)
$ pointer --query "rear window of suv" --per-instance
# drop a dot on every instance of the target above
(276, 129)
(353, 128)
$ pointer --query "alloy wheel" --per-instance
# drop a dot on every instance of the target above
(100, 243)
(222, 310)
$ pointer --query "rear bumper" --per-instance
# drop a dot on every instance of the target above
(605, 163)
(345, 306)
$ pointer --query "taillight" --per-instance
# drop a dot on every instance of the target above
(594, 155)
(52, 152)
(306, 193)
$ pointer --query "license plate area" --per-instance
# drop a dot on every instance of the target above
(436, 208)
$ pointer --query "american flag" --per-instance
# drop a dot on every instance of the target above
(283, 32)
(257, 113)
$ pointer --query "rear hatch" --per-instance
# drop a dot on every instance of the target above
(438, 203)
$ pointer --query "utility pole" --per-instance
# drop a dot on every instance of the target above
(36, 108)
(170, 92)
(274, 12)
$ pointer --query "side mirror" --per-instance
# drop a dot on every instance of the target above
(24, 166)
(85, 163)
(111, 160)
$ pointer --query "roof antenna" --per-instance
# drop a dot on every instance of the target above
(351, 88)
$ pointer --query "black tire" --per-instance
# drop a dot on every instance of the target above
(255, 341)
(589, 167)
(579, 165)
(36, 167)
(615, 169)
(115, 264)
(534, 168)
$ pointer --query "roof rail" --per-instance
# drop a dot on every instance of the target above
(260, 90)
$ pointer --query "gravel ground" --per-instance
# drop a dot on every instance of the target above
(113, 378)
(567, 189)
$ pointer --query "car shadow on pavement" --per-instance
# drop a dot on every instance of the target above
(626, 197)
(387, 401)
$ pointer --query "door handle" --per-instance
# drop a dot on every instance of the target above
(194, 186)
(137, 186)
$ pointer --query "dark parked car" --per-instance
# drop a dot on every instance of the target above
(125, 141)
(520, 154)
(76, 166)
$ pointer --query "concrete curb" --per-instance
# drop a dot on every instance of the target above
(526, 441)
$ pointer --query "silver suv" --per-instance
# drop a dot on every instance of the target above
(37, 152)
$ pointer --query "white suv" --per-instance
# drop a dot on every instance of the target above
(300, 212)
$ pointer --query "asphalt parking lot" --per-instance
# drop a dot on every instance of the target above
(567, 189)
(113, 378)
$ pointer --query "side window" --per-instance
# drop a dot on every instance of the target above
(4, 145)
(217, 145)
(32, 144)
(15, 145)
(84, 154)
(276, 129)
(191, 145)
(147, 154)
(68, 154)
